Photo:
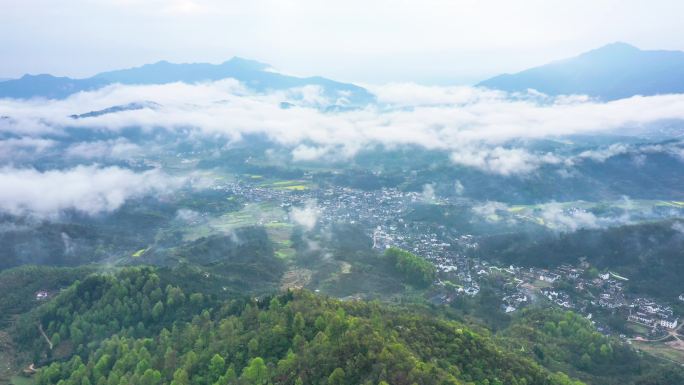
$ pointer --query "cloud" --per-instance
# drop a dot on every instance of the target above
(411, 95)
(559, 218)
(307, 153)
(678, 226)
(188, 216)
(87, 189)
(458, 187)
(491, 211)
(472, 124)
(602, 155)
(638, 153)
(428, 193)
(68, 243)
(571, 216)
(306, 216)
(13, 149)
(115, 149)
(502, 161)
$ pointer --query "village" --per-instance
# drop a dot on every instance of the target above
(383, 214)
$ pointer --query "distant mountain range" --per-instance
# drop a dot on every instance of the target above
(612, 72)
(255, 75)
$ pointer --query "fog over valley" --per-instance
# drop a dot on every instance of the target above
(376, 194)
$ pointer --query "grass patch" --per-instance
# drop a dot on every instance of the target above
(21, 380)
(285, 253)
(661, 350)
(637, 328)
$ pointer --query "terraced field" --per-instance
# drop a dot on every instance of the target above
(293, 185)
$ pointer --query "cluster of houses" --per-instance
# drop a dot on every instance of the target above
(514, 301)
(558, 297)
(383, 213)
(651, 314)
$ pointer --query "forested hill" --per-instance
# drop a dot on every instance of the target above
(135, 328)
(651, 254)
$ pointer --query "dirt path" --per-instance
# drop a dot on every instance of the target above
(42, 332)
(670, 333)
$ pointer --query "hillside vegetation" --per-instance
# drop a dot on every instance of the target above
(132, 327)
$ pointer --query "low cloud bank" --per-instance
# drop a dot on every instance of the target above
(503, 161)
(104, 149)
(569, 217)
(87, 189)
(556, 217)
(471, 123)
(13, 149)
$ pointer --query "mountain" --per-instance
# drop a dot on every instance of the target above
(612, 72)
(255, 75)
(46, 86)
(114, 109)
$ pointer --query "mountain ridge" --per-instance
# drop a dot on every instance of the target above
(614, 71)
(254, 74)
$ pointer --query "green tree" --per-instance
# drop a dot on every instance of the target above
(253, 347)
(56, 339)
(180, 377)
(256, 372)
(336, 377)
(151, 377)
(229, 378)
(157, 310)
(102, 366)
(298, 323)
(216, 367)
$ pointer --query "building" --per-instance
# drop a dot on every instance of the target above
(668, 324)
(551, 278)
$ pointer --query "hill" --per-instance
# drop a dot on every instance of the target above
(168, 334)
(159, 326)
(650, 253)
(614, 71)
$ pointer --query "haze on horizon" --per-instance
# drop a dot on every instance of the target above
(427, 41)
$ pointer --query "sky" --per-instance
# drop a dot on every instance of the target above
(444, 42)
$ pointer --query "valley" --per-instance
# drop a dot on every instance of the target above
(226, 222)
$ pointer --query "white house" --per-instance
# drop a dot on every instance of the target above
(669, 324)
